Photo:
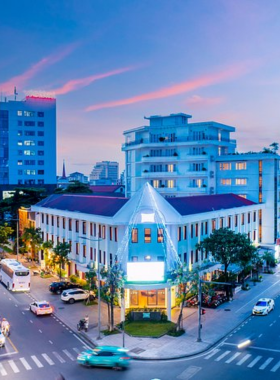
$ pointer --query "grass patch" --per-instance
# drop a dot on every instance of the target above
(6, 249)
(149, 328)
(108, 332)
(90, 303)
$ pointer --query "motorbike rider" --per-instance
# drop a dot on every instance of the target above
(5, 326)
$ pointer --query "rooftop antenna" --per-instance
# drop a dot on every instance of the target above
(15, 93)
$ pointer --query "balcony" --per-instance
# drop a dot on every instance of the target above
(201, 173)
(159, 174)
(166, 190)
(160, 159)
(197, 190)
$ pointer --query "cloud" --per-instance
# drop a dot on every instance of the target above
(196, 100)
(191, 85)
(20, 80)
(75, 84)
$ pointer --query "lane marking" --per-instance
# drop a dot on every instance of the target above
(260, 335)
(88, 347)
(274, 369)
(244, 359)
(233, 357)
(2, 370)
(56, 354)
(13, 366)
(70, 356)
(188, 373)
(37, 361)
(222, 356)
(265, 364)
(40, 331)
(212, 354)
(16, 305)
(48, 359)
(251, 365)
(254, 347)
(76, 350)
(12, 344)
(50, 342)
(23, 312)
(25, 364)
(31, 321)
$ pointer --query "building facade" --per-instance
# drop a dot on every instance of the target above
(147, 234)
(105, 173)
(28, 142)
(175, 156)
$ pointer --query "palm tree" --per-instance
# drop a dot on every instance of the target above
(60, 255)
(47, 246)
(274, 147)
(33, 240)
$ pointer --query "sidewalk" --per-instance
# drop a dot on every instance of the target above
(216, 322)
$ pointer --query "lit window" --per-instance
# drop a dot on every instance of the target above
(160, 235)
(19, 143)
(225, 165)
(29, 113)
(147, 234)
(134, 235)
(29, 172)
(155, 183)
(241, 181)
(226, 181)
(29, 152)
(29, 142)
(170, 183)
(19, 162)
(147, 258)
(170, 168)
(241, 165)
(19, 113)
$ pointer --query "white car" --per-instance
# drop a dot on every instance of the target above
(2, 339)
(263, 306)
(72, 295)
(41, 308)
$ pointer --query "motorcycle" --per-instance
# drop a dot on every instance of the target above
(6, 331)
(82, 325)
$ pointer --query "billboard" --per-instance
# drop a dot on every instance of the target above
(145, 271)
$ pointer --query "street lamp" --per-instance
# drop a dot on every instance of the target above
(98, 279)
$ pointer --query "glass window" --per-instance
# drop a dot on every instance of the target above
(241, 181)
(41, 143)
(40, 153)
(29, 113)
(19, 113)
(41, 133)
(225, 165)
(29, 142)
(147, 235)
(19, 143)
(40, 114)
(40, 162)
(160, 235)
(134, 235)
(40, 124)
(171, 183)
(225, 181)
(19, 162)
(155, 183)
(19, 123)
(41, 172)
(241, 165)
(29, 123)
(29, 152)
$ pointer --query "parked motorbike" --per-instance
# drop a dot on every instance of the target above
(82, 325)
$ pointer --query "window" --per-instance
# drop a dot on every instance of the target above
(249, 217)
(20, 152)
(41, 143)
(192, 257)
(40, 153)
(20, 182)
(77, 226)
(196, 255)
(29, 142)
(91, 253)
(29, 123)
(206, 228)
(77, 248)
(84, 251)
(57, 221)
(134, 235)
(40, 114)
(191, 230)
(42, 218)
(196, 229)
(242, 219)
(185, 232)
(19, 162)
(221, 222)
(160, 235)
(111, 233)
(134, 258)
(52, 219)
(225, 181)
(254, 235)
(241, 165)
(63, 223)
(29, 152)
(179, 232)
(241, 181)
(47, 220)
(254, 216)
(225, 165)
(229, 222)
(147, 235)
(29, 133)
(171, 168)
(19, 113)
(70, 224)
(19, 172)
(41, 182)
(104, 257)
(213, 224)
(155, 183)
(235, 220)
(84, 228)
(147, 258)
(103, 232)
(201, 227)
(170, 183)
(29, 162)
(29, 113)
(116, 234)
(19, 142)
(40, 133)
(19, 133)
(41, 162)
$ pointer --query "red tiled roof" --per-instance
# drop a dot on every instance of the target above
(88, 204)
(206, 203)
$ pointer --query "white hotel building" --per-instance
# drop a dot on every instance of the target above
(147, 234)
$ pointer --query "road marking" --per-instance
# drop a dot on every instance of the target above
(233, 357)
(40, 331)
(31, 321)
(76, 350)
(13, 366)
(188, 373)
(67, 353)
(48, 359)
(25, 364)
(244, 359)
(260, 335)
(274, 369)
(23, 312)
(254, 347)
(88, 347)
(2, 370)
(56, 354)
(16, 305)
(213, 353)
(251, 365)
(265, 364)
(50, 342)
(270, 324)
(70, 332)
(37, 361)
(222, 356)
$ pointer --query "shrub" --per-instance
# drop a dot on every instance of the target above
(173, 332)
(164, 317)
(74, 278)
(61, 273)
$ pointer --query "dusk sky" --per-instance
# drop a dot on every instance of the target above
(112, 62)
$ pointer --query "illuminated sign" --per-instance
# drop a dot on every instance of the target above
(145, 272)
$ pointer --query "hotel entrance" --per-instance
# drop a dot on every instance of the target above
(148, 298)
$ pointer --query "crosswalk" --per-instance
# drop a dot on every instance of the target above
(42, 360)
(259, 362)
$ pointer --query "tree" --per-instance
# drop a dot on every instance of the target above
(246, 255)
(75, 187)
(32, 237)
(257, 263)
(274, 147)
(5, 233)
(47, 246)
(114, 286)
(60, 255)
(269, 259)
(187, 283)
(267, 150)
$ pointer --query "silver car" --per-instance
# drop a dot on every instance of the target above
(73, 295)
(263, 306)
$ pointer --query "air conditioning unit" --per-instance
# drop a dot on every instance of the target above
(212, 190)
(211, 174)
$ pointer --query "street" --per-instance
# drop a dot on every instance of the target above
(45, 346)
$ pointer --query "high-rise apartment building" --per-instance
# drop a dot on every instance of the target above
(105, 173)
(176, 157)
(28, 142)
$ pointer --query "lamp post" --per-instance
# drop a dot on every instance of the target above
(98, 280)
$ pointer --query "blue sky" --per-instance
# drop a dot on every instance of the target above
(111, 63)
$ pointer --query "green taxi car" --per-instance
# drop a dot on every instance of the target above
(105, 356)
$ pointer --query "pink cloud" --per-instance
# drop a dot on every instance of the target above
(75, 84)
(191, 85)
(197, 100)
(20, 80)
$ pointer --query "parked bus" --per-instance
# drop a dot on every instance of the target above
(14, 275)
